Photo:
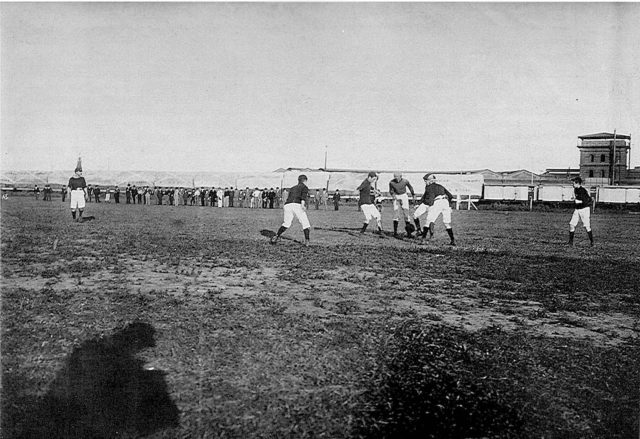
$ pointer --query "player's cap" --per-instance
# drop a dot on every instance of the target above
(577, 180)
(302, 177)
(372, 174)
(429, 177)
(79, 165)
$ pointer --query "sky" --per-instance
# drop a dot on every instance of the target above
(258, 86)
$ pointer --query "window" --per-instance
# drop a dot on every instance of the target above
(602, 158)
(593, 158)
(591, 173)
(602, 174)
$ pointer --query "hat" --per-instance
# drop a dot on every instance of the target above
(79, 165)
(372, 174)
(429, 177)
(577, 180)
(302, 177)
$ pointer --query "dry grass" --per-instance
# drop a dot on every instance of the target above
(511, 334)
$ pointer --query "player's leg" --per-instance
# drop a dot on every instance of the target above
(301, 215)
(585, 216)
(72, 205)
(432, 216)
(367, 210)
(286, 223)
(378, 217)
(420, 211)
(408, 226)
(572, 225)
(446, 218)
(396, 214)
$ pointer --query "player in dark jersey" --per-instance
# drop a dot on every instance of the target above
(296, 206)
(434, 201)
(583, 210)
(77, 188)
(398, 191)
(366, 202)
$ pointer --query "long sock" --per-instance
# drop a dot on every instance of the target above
(281, 230)
(395, 227)
(73, 214)
(80, 213)
(306, 234)
(450, 232)
(590, 233)
(571, 235)
(431, 228)
(364, 227)
(416, 221)
(425, 230)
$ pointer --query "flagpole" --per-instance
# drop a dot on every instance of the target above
(325, 157)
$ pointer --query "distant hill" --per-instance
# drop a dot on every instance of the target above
(22, 179)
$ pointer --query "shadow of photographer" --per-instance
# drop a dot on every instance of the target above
(104, 391)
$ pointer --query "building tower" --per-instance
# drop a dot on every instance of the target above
(603, 160)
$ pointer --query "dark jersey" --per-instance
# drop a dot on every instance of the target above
(365, 192)
(400, 187)
(77, 183)
(582, 195)
(432, 191)
(297, 194)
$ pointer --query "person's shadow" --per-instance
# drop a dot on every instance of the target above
(103, 391)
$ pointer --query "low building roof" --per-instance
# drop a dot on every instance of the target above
(603, 136)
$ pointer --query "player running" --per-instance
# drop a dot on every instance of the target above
(366, 202)
(398, 191)
(583, 211)
(296, 205)
(434, 201)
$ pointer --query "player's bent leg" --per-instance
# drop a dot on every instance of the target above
(450, 233)
(276, 237)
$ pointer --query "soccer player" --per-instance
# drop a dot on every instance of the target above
(583, 211)
(398, 191)
(77, 189)
(366, 202)
(296, 205)
(436, 201)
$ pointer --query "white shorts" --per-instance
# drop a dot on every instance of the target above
(370, 211)
(440, 206)
(583, 215)
(77, 199)
(295, 210)
(400, 201)
(420, 210)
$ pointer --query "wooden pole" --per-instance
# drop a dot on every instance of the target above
(613, 160)
(325, 157)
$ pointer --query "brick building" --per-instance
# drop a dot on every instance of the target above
(604, 159)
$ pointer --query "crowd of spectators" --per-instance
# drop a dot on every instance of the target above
(248, 198)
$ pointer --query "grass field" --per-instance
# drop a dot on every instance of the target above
(509, 334)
